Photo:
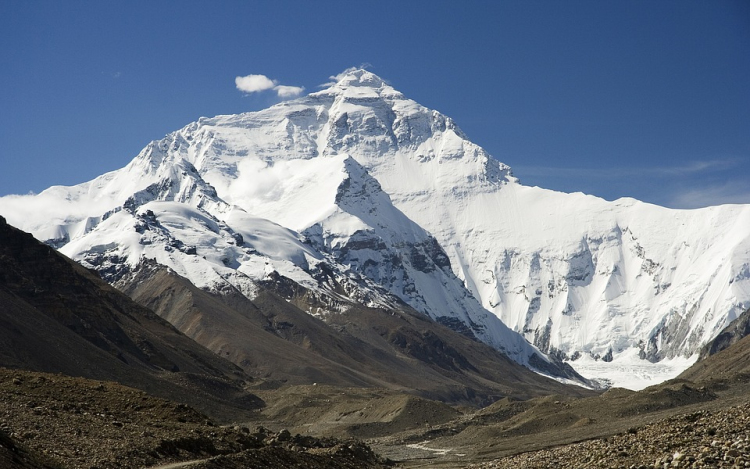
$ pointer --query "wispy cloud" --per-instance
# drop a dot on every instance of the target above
(257, 83)
(694, 167)
(116, 74)
(616, 172)
(691, 184)
(731, 192)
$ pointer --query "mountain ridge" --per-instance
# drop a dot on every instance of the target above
(581, 278)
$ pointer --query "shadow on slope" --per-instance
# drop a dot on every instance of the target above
(727, 357)
(58, 317)
(273, 338)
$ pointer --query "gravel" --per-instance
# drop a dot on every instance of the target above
(700, 439)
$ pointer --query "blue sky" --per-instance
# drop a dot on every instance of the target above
(645, 99)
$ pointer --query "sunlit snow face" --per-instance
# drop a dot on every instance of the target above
(295, 193)
(256, 180)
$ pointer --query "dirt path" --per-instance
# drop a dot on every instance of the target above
(176, 465)
(437, 451)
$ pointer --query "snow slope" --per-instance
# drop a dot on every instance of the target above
(362, 178)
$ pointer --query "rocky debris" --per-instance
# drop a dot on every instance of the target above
(342, 455)
(83, 424)
(14, 455)
(696, 440)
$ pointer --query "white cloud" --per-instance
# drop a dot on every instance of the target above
(254, 83)
(257, 83)
(42, 213)
(285, 91)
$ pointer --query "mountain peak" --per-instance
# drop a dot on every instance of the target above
(358, 82)
(359, 77)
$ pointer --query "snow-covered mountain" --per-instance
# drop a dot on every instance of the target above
(393, 198)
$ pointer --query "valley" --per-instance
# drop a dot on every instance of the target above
(70, 423)
(459, 410)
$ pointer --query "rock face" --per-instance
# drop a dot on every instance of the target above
(727, 357)
(358, 183)
(733, 333)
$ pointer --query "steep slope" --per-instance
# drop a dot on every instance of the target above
(733, 333)
(577, 275)
(727, 357)
(272, 338)
(611, 286)
(269, 337)
(366, 233)
(58, 317)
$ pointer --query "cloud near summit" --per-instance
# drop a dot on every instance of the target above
(257, 83)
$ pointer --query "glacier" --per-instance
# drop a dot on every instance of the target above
(404, 207)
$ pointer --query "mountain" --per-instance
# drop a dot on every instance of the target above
(357, 193)
(161, 207)
(58, 317)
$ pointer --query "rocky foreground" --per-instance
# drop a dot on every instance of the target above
(52, 421)
(700, 439)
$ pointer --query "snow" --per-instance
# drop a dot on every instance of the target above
(369, 182)
(630, 372)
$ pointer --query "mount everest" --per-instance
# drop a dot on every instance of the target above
(361, 195)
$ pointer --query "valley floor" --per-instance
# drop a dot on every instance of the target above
(688, 431)
(57, 422)
(698, 439)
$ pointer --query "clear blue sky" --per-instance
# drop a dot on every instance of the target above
(647, 99)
